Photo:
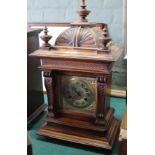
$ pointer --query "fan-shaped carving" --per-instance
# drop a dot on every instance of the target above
(66, 38)
(86, 38)
(80, 37)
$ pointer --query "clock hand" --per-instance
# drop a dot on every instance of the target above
(75, 91)
(79, 94)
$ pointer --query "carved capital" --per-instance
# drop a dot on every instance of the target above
(100, 116)
(47, 74)
(102, 79)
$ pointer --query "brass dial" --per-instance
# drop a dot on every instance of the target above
(78, 93)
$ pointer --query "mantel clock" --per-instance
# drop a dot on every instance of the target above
(77, 76)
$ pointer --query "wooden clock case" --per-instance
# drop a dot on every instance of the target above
(97, 130)
(80, 52)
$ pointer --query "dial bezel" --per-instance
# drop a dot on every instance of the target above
(89, 82)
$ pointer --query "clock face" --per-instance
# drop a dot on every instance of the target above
(78, 93)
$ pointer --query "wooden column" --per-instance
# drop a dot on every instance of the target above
(49, 84)
(101, 105)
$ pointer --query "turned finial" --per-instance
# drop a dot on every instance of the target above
(104, 40)
(83, 12)
(105, 31)
(83, 3)
(46, 39)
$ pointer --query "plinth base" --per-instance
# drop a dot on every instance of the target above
(97, 139)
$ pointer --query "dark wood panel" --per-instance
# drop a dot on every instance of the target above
(35, 99)
(123, 147)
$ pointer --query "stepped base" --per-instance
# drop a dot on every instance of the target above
(63, 131)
